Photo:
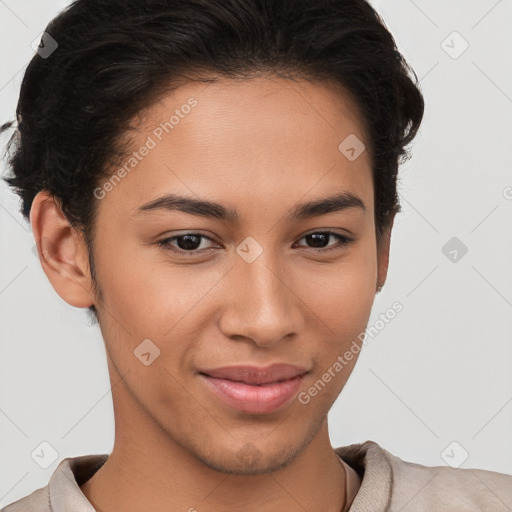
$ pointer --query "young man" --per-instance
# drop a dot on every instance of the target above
(216, 181)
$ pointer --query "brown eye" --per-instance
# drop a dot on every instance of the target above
(320, 240)
(186, 243)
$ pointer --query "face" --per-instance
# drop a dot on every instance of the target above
(256, 280)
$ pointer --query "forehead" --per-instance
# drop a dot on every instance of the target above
(261, 105)
(243, 138)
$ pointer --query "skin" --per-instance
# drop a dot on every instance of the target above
(259, 146)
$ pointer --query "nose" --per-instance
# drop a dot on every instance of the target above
(262, 304)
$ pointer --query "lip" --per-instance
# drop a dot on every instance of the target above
(254, 389)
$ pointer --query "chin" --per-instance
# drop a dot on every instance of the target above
(253, 457)
(247, 461)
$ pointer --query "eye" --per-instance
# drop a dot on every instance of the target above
(320, 240)
(188, 243)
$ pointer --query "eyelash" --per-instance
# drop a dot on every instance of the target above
(166, 243)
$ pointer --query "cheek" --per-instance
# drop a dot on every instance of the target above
(344, 305)
(143, 290)
(148, 298)
(343, 294)
(344, 309)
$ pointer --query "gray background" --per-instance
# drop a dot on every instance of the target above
(435, 385)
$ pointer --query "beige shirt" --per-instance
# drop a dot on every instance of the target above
(388, 484)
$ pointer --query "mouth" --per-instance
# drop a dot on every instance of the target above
(254, 390)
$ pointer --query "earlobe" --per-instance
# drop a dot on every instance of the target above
(62, 251)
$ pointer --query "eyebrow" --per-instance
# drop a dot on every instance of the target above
(203, 208)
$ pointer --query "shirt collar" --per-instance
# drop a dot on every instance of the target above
(370, 461)
(64, 485)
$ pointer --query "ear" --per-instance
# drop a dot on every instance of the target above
(383, 247)
(62, 251)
